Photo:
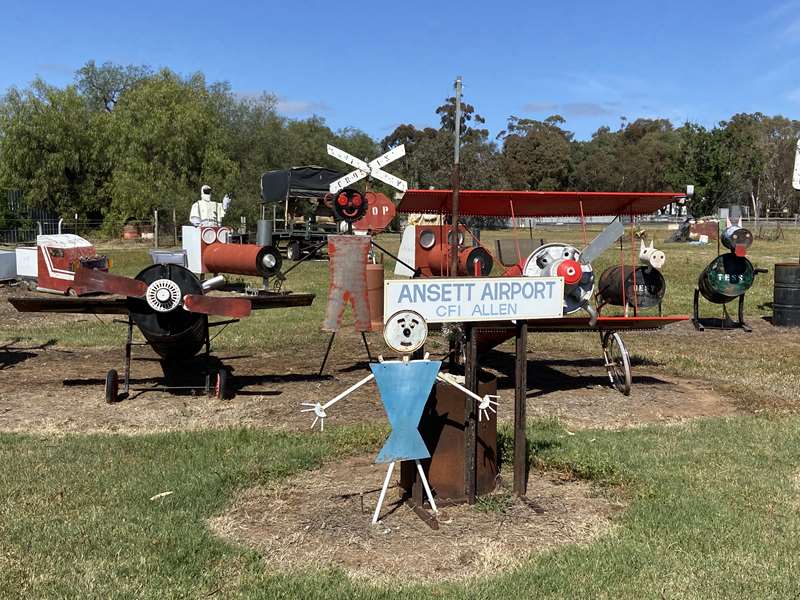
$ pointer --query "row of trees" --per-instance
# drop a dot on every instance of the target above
(122, 141)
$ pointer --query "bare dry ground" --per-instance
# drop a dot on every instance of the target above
(322, 518)
(60, 390)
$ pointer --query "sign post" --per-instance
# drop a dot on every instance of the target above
(373, 168)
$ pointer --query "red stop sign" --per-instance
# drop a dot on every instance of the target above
(380, 212)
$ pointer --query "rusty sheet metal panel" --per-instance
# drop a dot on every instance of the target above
(347, 272)
(442, 428)
(709, 228)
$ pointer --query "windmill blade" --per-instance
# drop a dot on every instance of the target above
(102, 281)
(603, 242)
(219, 306)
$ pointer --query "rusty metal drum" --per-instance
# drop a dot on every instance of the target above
(725, 278)
(643, 287)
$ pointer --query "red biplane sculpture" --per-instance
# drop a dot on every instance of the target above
(555, 259)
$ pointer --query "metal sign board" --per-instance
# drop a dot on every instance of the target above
(380, 212)
(373, 169)
(445, 300)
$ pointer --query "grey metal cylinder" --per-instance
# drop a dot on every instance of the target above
(786, 295)
(264, 233)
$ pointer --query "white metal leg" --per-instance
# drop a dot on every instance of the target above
(383, 493)
(426, 486)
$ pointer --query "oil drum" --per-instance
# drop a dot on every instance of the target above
(648, 290)
(177, 333)
(726, 277)
(786, 295)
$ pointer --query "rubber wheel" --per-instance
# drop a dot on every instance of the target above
(221, 385)
(293, 250)
(112, 386)
(618, 362)
(72, 293)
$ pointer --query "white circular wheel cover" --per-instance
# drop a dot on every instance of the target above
(405, 331)
(427, 238)
(163, 295)
(209, 236)
(223, 235)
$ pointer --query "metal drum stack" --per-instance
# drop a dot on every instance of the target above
(786, 295)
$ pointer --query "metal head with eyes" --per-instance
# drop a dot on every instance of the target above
(405, 331)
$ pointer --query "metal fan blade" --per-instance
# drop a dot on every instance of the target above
(603, 242)
(217, 305)
(102, 281)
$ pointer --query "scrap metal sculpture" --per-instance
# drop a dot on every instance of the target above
(728, 277)
(404, 386)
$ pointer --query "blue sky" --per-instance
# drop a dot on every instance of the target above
(374, 65)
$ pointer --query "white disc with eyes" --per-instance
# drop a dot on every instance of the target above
(405, 331)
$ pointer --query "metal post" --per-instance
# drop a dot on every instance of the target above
(470, 414)
(155, 228)
(456, 182)
(520, 394)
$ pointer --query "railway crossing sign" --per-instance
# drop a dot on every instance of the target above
(373, 169)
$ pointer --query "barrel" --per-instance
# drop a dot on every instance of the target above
(644, 286)
(175, 334)
(786, 295)
(242, 259)
(375, 275)
(725, 278)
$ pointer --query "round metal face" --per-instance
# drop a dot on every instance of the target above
(163, 295)
(427, 238)
(405, 331)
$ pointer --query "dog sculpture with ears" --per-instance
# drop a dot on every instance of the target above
(651, 257)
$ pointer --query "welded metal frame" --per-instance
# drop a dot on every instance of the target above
(206, 357)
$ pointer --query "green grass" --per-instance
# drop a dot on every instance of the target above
(713, 513)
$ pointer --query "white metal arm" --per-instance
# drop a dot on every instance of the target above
(319, 409)
(484, 402)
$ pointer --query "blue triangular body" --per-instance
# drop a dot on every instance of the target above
(404, 389)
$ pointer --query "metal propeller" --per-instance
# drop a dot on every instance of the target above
(102, 281)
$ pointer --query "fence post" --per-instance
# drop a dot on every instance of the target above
(155, 228)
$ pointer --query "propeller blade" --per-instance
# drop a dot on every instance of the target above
(217, 305)
(603, 242)
(102, 281)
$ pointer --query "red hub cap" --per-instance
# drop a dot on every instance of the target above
(570, 270)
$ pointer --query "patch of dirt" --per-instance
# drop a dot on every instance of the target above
(56, 389)
(323, 518)
(53, 389)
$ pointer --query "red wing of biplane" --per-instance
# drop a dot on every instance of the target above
(505, 203)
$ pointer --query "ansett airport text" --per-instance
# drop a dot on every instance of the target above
(475, 298)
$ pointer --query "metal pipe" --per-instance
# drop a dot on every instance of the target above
(214, 283)
(456, 180)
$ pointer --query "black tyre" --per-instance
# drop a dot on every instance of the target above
(293, 250)
(221, 385)
(618, 363)
(112, 386)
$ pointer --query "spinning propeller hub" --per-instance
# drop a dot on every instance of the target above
(163, 295)
(570, 270)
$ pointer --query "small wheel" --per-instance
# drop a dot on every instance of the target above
(618, 362)
(72, 292)
(293, 250)
(112, 386)
(221, 385)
